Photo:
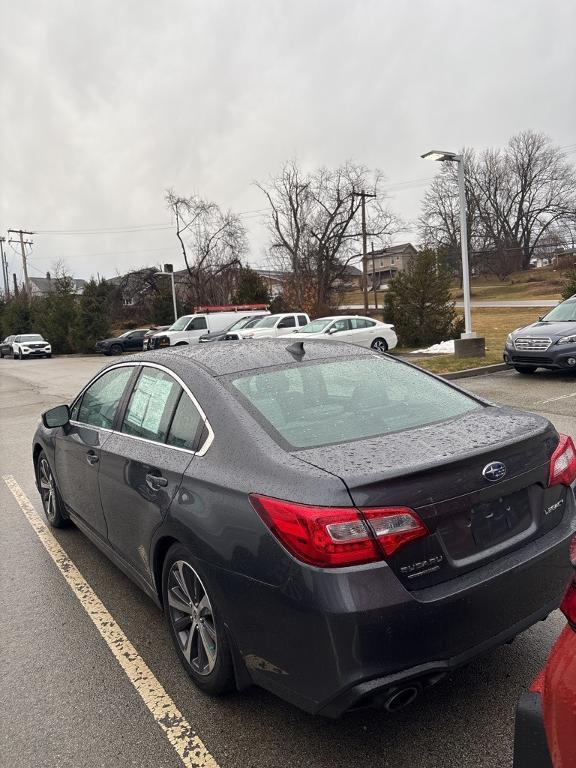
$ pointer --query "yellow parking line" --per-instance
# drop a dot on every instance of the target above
(178, 730)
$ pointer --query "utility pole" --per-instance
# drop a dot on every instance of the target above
(15, 283)
(5, 269)
(363, 195)
(23, 243)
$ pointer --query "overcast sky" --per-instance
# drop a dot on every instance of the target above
(106, 104)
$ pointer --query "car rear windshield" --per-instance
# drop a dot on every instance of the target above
(563, 313)
(314, 404)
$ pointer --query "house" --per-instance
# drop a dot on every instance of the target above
(351, 278)
(274, 280)
(384, 263)
(42, 286)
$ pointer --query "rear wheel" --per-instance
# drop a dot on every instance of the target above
(379, 345)
(195, 624)
(53, 507)
(527, 369)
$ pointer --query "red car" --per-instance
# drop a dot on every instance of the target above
(546, 715)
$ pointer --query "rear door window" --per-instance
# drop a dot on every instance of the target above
(302, 320)
(100, 401)
(185, 428)
(151, 405)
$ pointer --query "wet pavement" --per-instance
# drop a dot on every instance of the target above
(65, 701)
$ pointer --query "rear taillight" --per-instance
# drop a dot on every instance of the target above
(563, 463)
(331, 537)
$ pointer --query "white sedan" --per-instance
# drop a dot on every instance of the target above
(351, 328)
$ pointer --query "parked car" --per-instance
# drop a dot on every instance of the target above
(189, 328)
(338, 527)
(545, 735)
(28, 345)
(130, 341)
(276, 325)
(549, 343)
(6, 347)
(152, 332)
(353, 329)
(232, 333)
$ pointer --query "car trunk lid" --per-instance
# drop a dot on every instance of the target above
(440, 472)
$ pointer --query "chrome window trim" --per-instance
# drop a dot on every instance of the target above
(140, 364)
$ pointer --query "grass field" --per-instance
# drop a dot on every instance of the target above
(494, 325)
(545, 283)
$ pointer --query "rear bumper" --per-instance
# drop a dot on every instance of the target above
(330, 641)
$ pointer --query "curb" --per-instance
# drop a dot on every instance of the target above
(469, 372)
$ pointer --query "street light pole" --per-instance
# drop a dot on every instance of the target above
(174, 297)
(454, 158)
(169, 270)
(468, 333)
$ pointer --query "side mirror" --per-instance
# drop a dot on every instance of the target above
(332, 330)
(56, 417)
(540, 318)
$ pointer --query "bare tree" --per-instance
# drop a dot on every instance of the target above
(315, 227)
(213, 243)
(515, 197)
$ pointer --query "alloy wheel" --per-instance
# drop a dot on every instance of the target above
(379, 345)
(192, 617)
(47, 489)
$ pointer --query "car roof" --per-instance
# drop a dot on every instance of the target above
(251, 354)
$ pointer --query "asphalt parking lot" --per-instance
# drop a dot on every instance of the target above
(66, 701)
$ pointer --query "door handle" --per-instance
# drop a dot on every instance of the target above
(91, 457)
(155, 482)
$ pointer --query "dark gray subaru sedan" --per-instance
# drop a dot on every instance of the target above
(332, 524)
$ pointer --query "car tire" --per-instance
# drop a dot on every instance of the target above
(183, 587)
(379, 345)
(51, 501)
(116, 349)
(20, 355)
(49, 356)
(526, 369)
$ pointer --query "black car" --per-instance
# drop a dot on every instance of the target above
(131, 341)
(334, 525)
(6, 349)
(549, 343)
(231, 333)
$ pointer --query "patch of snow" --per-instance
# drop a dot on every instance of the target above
(443, 348)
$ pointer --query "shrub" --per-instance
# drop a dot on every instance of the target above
(569, 285)
(419, 304)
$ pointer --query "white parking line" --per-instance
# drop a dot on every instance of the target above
(178, 730)
(553, 399)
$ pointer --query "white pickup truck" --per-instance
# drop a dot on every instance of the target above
(188, 328)
(276, 325)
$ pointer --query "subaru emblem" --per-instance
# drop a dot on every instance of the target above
(494, 471)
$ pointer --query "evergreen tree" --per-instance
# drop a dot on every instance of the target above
(93, 317)
(17, 316)
(569, 287)
(55, 315)
(251, 288)
(419, 304)
(161, 305)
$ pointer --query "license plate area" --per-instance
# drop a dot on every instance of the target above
(498, 520)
